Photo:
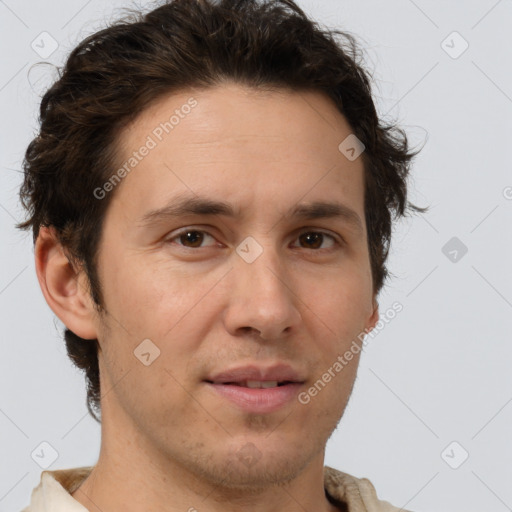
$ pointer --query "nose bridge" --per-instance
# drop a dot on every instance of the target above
(259, 267)
(261, 298)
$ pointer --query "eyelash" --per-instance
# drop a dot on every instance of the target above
(337, 243)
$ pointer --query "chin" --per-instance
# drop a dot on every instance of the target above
(256, 475)
(256, 463)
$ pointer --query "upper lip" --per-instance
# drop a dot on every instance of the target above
(277, 372)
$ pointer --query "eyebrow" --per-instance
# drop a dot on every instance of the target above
(195, 205)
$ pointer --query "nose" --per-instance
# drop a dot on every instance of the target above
(261, 298)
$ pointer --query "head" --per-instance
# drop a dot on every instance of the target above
(240, 102)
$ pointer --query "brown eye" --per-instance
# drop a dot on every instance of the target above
(193, 237)
(314, 239)
(190, 238)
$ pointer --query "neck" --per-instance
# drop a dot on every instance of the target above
(131, 476)
(139, 470)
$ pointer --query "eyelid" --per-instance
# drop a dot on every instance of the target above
(183, 231)
(338, 239)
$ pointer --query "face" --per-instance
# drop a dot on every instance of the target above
(263, 291)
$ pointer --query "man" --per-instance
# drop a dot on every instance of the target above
(211, 195)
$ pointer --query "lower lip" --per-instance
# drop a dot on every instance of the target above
(258, 400)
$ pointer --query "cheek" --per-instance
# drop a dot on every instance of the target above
(343, 301)
(151, 297)
(339, 314)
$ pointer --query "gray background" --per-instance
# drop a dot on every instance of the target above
(437, 373)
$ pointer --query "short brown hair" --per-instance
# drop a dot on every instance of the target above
(114, 74)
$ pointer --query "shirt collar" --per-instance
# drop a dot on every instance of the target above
(348, 493)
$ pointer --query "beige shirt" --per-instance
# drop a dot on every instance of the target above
(348, 493)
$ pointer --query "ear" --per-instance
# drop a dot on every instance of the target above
(63, 288)
(374, 317)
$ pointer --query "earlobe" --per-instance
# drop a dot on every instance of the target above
(374, 317)
(63, 288)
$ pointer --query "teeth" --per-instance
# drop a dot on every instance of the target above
(260, 384)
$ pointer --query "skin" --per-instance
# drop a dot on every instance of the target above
(168, 442)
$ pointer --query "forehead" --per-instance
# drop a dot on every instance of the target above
(246, 146)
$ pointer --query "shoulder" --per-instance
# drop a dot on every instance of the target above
(359, 494)
(55, 488)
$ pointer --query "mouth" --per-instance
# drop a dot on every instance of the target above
(255, 384)
(256, 388)
(256, 397)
